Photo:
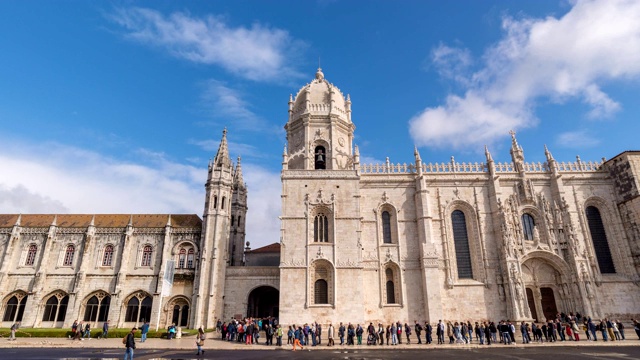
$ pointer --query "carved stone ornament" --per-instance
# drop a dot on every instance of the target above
(320, 254)
(320, 199)
(388, 255)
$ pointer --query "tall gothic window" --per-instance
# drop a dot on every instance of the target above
(320, 158)
(68, 255)
(528, 225)
(215, 201)
(31, 255)
(321, 228)
(461, 242)
(321, 292)
(239, 218)
(14, 309)
(56, 308)
(386, 227)
(182, 258)
(146, 256)
(107, 257)
(391, 289)
(600, 242)
(233, 220)
(190, 254)
(224, 199)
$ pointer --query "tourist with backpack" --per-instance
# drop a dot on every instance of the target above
(129, 344)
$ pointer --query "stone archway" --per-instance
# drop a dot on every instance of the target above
(542, 280)
(263, 301)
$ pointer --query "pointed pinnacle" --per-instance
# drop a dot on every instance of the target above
(93, 221)
(169, 220)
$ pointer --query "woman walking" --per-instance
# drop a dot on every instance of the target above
(200, 341)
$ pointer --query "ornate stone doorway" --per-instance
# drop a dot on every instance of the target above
(263, 302)
(532, 304)
(548, 301)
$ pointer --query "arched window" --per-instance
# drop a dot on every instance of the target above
(215, 201)
(175, 319)
(239, 217)
(138, 310)
(391, 290)
(600, 242)
(68, 255)
(224, 199)
(14, 309)
(461, 243)
(107, 257)
(182, 258)
(146, 256)
(56, 308)
(97, 307)
(233, 220)
(31, 255)
(386, 227)
(321, 292)
(320, 158)
(321, 228)
(132, 309)
(190, 254)
(528, 225)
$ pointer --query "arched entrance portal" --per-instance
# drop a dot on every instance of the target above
(263, 302)
(548, 301)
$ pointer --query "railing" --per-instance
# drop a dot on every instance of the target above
(457, 167)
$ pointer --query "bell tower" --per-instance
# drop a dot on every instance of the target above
(209, 282)
(319, 130)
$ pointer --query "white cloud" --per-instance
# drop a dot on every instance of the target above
(257, 53)
(235, 149)
(452, 63)
(577, 139)
(54, 178)
(559, 59)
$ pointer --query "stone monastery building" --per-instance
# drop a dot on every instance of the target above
(358, 243)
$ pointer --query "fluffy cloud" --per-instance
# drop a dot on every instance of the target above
(577, 139)
(54, 178)
(558, 59)
(256, 53)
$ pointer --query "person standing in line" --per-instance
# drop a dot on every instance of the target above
(296, 340)
(428, 330)
(394, 334)
(279, 334)
(621, 329)
(418, 329)
(144, 330)
(487, 332)
(381, 333)
(331, 343)
(636, 327)
(105, 329)
(319, 333)
(199, 341)
(130, 344)
(341, 330)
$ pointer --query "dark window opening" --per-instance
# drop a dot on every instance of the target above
(600, 241)
(461, 242)
(320, 158)
(386, 227)
(528, 226)
(321, 293)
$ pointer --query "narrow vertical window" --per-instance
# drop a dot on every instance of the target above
(190, 259)
(233, 220)
(461, 243)
(31, 255)
(181, 258)
(215, 201)
(600, 241)
(528, 225)
(321, 228)
(391, 291)
(68, 256)
(239, 217)
(386, 227)
(146, 255)
(224, 199)
(108, 255)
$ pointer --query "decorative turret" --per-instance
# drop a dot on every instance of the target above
(238, 180)
(553, 165)
(490, 164)
(517, 154)
(416, 154)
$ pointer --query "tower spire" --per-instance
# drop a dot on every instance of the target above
(238, 180)
(222, 157)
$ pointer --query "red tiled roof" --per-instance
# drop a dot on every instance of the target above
(102, 220)
(273, 248)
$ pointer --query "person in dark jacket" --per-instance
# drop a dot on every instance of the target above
(130, 344)
(429, 330)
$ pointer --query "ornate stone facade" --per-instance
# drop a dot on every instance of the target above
(359, 242)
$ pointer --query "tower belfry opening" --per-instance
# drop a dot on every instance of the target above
(320, 158)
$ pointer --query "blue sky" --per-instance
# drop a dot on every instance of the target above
(117, 106)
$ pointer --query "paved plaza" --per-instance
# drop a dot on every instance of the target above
(57, 348)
